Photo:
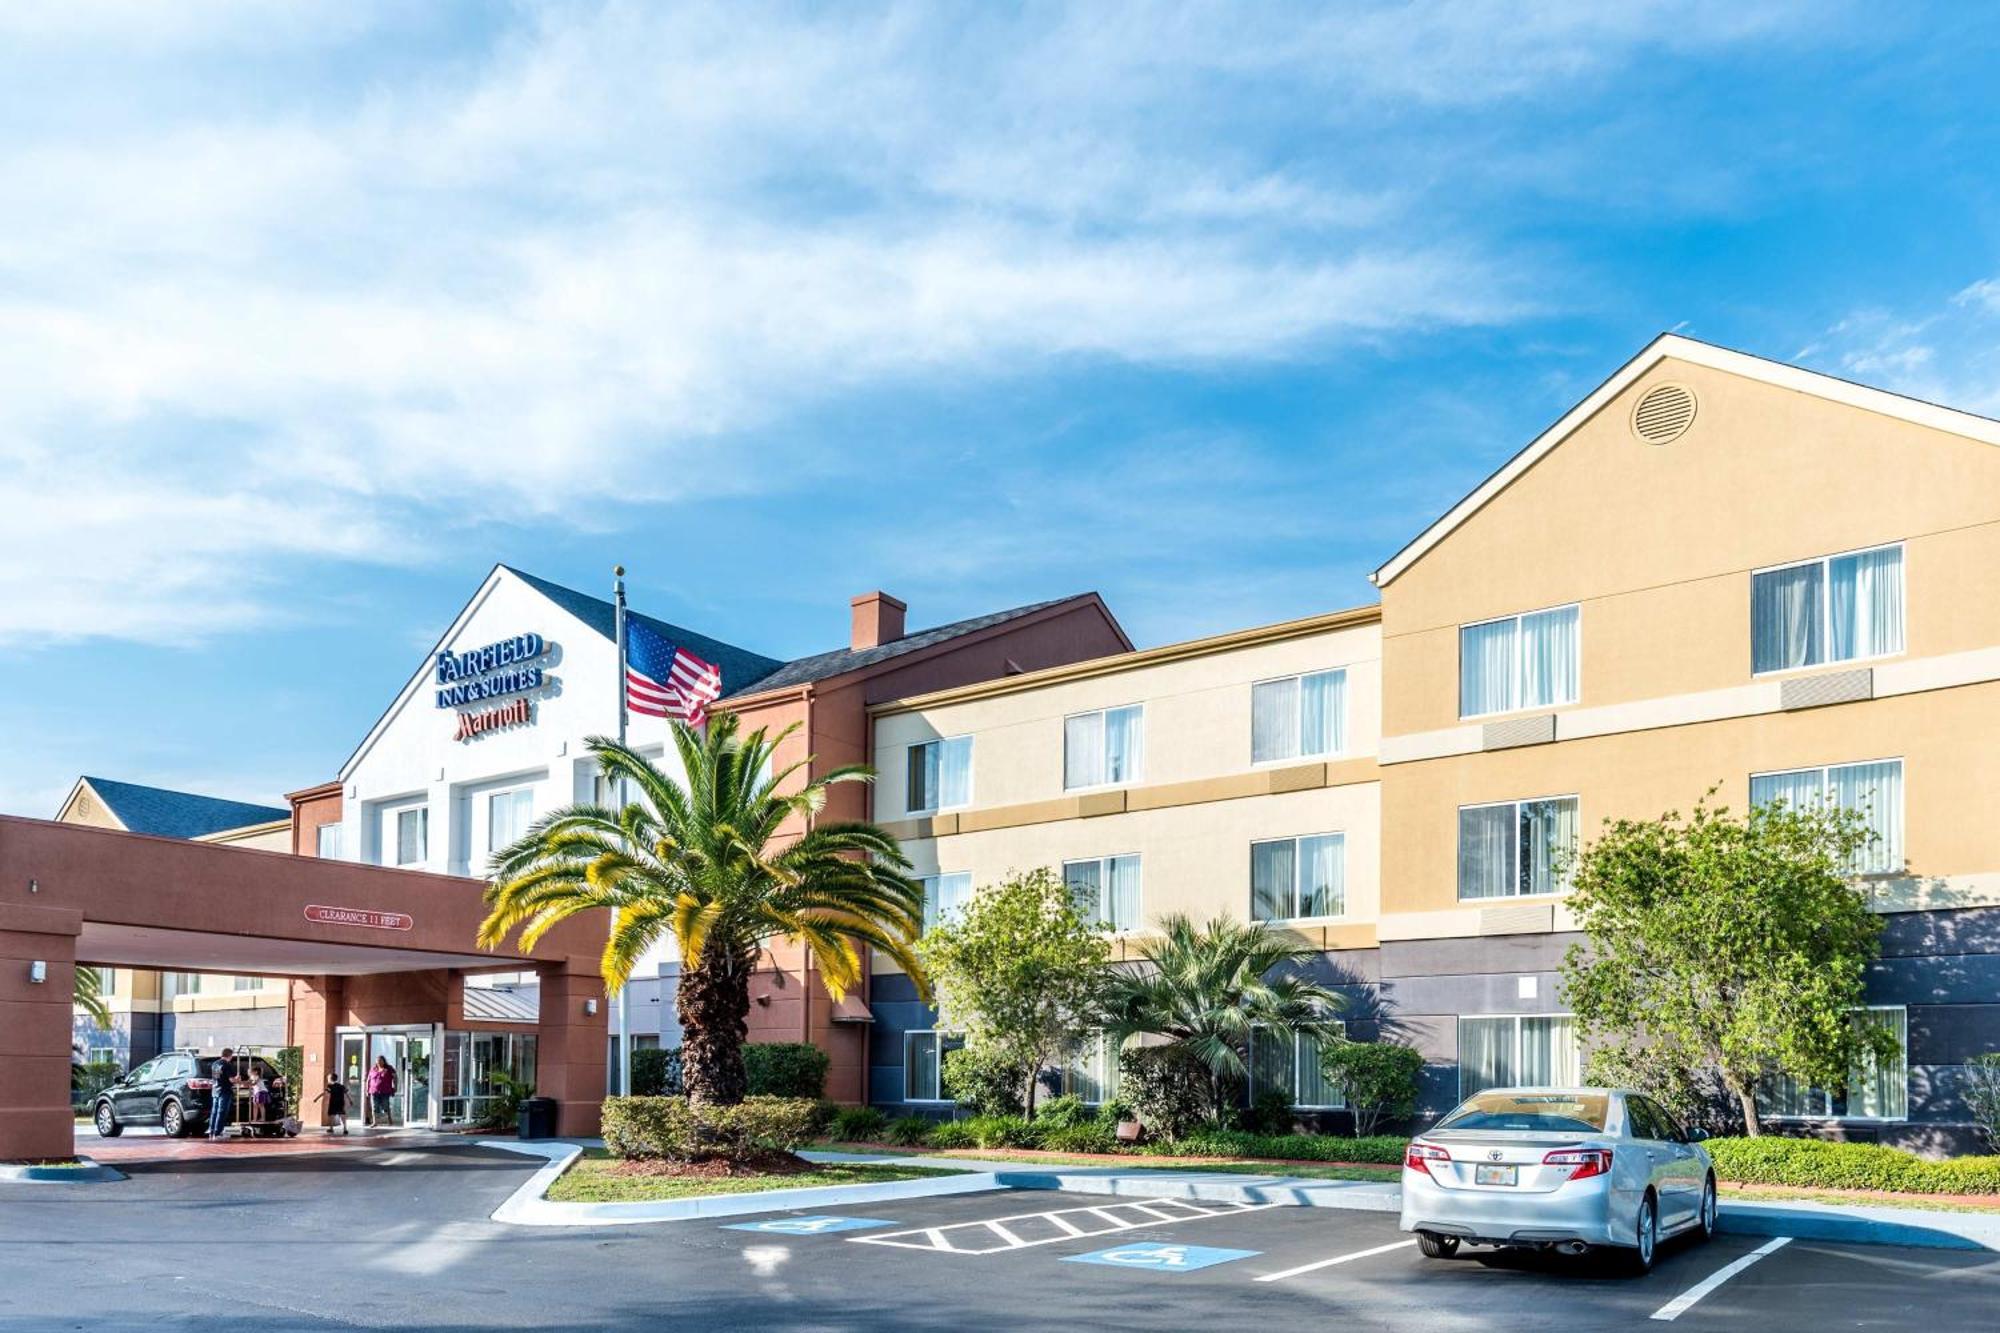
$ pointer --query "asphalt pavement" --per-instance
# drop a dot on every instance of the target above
(399, 1238)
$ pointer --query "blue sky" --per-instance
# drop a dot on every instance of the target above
(311, 313)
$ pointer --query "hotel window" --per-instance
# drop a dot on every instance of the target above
(1516, 1052)
(1873, 790)
(1298, 717)
(1290, 1062)
(246, 983)
(326, 842)
(1516, 662)
(184, 983)
(940, 775)
(508, 814)
(1292, 878)
(945, 896)
(413, 836)
(1839, 608)
(923, 1064)
(1516, 848)
(1103, 748)
(1091, 1075)
(1876, 1089)
(107, 981)
(1106, 890)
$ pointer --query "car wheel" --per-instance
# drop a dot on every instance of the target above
(1640, 1257)
(1709, 1211)
(1435, 1246)
(107, 1122)
(172, 1119)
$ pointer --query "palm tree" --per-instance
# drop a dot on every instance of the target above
(88, 995)
(712, 864)
(1208, 987)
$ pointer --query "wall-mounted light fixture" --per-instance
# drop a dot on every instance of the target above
(38, 972)
(590, 1007)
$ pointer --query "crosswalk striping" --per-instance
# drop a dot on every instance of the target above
(1026, 1230)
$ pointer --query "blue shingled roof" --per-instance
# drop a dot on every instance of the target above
(178, 814)
(740, 666)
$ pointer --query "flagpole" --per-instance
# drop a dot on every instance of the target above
(625, 991)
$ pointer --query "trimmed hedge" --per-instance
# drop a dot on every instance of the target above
(785, 1069)
(1385, 1149)
(671, 1128)
(1817, 1164)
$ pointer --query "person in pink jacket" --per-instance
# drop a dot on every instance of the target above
(381, 1088)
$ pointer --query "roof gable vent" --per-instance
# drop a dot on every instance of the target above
(1663, 415)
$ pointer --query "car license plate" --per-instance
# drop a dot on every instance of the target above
(1495, 1175)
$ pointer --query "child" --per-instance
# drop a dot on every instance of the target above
(260, 1097)
(335, 1098)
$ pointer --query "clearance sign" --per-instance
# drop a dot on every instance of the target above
(359, 916)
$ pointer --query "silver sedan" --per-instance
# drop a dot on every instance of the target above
(1569, 1169)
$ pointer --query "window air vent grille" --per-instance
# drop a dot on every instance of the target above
(1664, 414)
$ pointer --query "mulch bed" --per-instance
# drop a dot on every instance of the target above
(763, 1164)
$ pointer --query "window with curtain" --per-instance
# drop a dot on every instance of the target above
(1298, 717)
(1290, 1062)
(1103, 748)
(940, 774)
(246, 983)
(1840, 608)
(1106, 889)
(1873, 790)
(1291, 878)
(1517, 1050)
(107, 981)
(413, 834)
(508, 814)
(923, 1064)
(1092, 1073)
(1517, 662)
(1876, 1089)
(945, 896)
(326, 842)
(1516, 848)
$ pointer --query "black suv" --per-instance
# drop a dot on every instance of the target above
(171, 1091)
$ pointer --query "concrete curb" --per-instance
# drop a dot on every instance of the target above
(87, 1172)
(527, 1206)
(1922, 1228)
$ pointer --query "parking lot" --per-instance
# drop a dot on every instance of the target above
(399, 1237)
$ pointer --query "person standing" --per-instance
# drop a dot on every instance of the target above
(222, 1095)
(335, 1098)
(381, 1089)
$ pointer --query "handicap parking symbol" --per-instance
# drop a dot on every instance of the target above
(1157, 1257)
(807, 1226)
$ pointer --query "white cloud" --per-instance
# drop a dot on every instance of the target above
(578, 257)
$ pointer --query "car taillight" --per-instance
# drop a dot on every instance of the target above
(1587, 1162)
(1419, 1156)
(201, 1083)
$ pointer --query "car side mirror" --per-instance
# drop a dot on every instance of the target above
(1696, 1134)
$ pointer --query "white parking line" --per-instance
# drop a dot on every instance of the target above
(1337, 1259)
(1000, 1234)
(1680, 1304)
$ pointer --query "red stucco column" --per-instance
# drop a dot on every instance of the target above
(573, 1037)
(35, 1029)
(316, 1005)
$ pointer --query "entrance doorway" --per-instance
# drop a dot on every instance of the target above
(410, 1052)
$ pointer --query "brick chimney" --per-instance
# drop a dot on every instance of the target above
(878, 619)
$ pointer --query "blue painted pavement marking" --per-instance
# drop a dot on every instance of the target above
(1156, 1257)
(807, 1226)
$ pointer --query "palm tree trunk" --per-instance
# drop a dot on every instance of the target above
(714, 1001)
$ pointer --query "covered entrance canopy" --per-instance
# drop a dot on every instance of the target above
(365, 946)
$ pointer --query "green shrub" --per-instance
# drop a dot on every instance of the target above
(1815, 1163)
(1270, 1113)
(657, 1072)
(785, 1069)
(1112, 1113)
(671, 1128)
(909, 1131)
(1377, 1080)
(1167, 1086)
(860, 1124)
(1065, 1112)
(87, 1080)
(1079, 1138)
(998, 1131)
(979, 1085)
(953, 1134)
(1382, 1149)
(504, 1110)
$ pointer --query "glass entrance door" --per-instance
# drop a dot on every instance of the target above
(386, 1047)
(408, 1054)
(414, 1079)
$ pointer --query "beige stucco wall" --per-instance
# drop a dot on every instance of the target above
(275, 837)
(1657, 544)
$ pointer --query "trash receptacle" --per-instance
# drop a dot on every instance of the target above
(538, 1118)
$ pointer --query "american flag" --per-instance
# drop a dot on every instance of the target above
(664, 681)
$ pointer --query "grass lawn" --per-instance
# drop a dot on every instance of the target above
(1950, 1203)
(593, 1179)
(1306, 1171)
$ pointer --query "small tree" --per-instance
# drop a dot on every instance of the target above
(1982, 1094)
(1377, 1079)
(1735, 944)
(1018, 972)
